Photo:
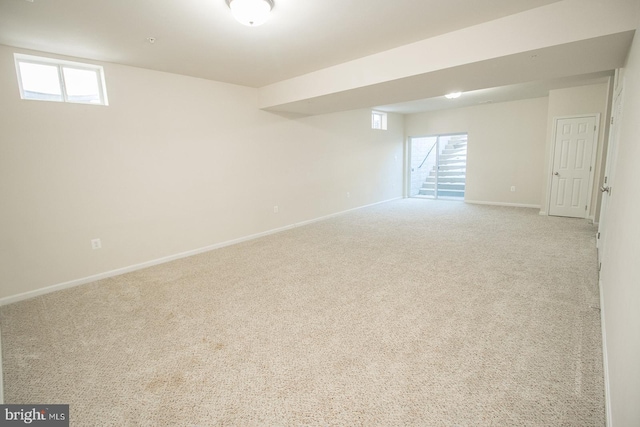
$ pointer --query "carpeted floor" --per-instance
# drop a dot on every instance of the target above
(413, 312)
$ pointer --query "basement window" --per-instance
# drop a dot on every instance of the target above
(378, 120)
(47, 79)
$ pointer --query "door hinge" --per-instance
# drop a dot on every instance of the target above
(585, 207)
(599, 266)
(598, 235)
(594, 128)
(611, 119)
(590, 168)
(605, 179)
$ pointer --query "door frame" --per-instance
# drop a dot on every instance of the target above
(617, 106)
(594, 156)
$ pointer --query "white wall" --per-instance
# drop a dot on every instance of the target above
(620, 275)
(506, 147)
(590, 99)
(173, 164)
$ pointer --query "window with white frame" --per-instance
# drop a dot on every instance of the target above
(47, 79)
(378, 120)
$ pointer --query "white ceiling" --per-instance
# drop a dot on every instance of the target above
(534, 89)
(200, 38)
(522, 75)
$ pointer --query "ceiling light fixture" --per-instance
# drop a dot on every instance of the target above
(453, 95)
(251, 12)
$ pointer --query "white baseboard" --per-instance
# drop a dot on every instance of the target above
(605, 362)
(592, 219)
(84, 280)
(514, 205)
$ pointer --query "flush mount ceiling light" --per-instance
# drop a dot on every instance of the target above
(453, 95)
(250, 12)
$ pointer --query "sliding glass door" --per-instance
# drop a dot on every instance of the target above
(438, 166)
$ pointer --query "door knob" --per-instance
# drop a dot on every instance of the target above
(606, 189)
(556, 174)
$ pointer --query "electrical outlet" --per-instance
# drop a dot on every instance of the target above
(513, 188)
(96, 244)
(275, 209)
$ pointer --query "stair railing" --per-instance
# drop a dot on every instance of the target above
(430, 150)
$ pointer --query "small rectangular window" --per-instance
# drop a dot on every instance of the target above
(47, 79)
(378, 120)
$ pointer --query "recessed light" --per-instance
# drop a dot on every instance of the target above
(453, 95)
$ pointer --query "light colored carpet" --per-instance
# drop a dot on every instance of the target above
(412, 312)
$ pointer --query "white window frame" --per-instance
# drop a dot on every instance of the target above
(61, 65)
(383, 120)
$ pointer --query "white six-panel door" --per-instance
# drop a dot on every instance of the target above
(572, 164)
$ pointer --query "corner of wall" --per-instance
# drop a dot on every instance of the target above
(605, 363)
(1, 371)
